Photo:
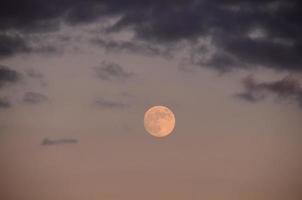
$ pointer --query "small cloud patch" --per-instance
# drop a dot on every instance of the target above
(110, 104)
(34, 98)
(48, 141)
(4, 103)
(112, 71)
(286, 88)
(8, 75)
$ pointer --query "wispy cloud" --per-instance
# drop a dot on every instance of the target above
(111, 104)
(63, 141)
(286, 88)
(4, 103)
(34, 98)
(112, 71)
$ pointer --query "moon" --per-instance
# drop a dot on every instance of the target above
(159, 121)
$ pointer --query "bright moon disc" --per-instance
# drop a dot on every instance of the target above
(159, 121)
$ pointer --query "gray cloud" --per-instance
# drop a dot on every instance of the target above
(63, 141)
(34, 74)
(112, 71)
(46, 49)
(8, 76)
(11, 77)
(131, 47)
(111, 104)
(286, 88)
(4, 103)
(34, 98)
(250, 97)
(12, 44)
(231, 25)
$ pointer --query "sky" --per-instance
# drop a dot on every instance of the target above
(77, 76)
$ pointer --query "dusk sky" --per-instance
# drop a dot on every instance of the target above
(77, 76)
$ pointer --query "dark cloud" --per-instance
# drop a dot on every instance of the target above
(110, 104)
(286, 88)
(222, 61)
(31, 15)
(265, 52)
(229, 24)
(47, 141)
(4, 103)
(8, 76)
(233, 26)
(34, 98)
(112, 71)
(12, 44)
(43, 15)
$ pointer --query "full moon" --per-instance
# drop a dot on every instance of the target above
(159, 121)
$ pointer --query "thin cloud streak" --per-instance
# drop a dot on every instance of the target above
(47, 141)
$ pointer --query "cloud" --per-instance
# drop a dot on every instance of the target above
(8, 76)
(4, 103)
(265, 52)
(46, 15)
(110, 104)
(229, 25)
(130, 46)
(250, 97)
(34, 74)
(12, 44)
(112, 71)
(246, 33)
(286, 88)
(63, 141)
(34, 98)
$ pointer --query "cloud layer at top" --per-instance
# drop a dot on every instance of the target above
(245, 33)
